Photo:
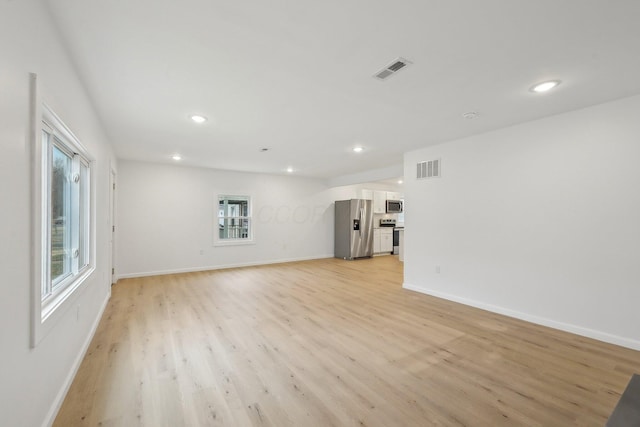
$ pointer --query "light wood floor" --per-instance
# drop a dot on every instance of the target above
(330, 343)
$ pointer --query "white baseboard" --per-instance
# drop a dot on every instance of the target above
(578, 330)
(57, 403)
(219, 267)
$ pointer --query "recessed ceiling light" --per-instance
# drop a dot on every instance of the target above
(470, 115)
(400, 181)
(289, 169)
(544, 86)
(176, 157)
(358, 149)
(265, 149)
(198, 118)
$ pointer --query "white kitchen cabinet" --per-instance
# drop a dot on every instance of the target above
(392, 195)
(382, 240)
(376, 241)
(366, 194)
(379, 202)
(386, 240)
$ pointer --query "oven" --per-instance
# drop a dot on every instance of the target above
(396, 241)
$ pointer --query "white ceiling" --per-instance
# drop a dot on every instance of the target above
(296, 76)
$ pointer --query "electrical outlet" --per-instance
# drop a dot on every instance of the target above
(201, 251)
(437, 269)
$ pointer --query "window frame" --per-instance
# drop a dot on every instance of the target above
(52, 298)
(54, 286)
(249, 240)
(77, 219)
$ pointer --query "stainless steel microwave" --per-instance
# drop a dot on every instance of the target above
(394, 206)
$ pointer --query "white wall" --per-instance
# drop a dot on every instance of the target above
(32, 381)
(167, 217)
(370, 176)
(539, 221)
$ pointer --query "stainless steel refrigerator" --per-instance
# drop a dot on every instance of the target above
(353, 229)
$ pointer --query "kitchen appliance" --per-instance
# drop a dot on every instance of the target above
(394, 206)
(353, 229)
(396, 240)
(387, 222)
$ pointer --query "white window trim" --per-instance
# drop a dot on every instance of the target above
(61, 285)
(233, 242)
(45, 314)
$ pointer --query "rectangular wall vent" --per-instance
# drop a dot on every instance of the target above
(395, 66)
(428, 169)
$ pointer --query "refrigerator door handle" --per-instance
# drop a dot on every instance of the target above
(361, 216)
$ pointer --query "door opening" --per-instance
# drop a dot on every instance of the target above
(112, 234)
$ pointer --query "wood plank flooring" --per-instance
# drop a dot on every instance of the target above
(330, 343)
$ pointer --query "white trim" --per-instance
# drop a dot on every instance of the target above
(58, 126)
(567, 327)
(35, 237)
(62, 393)
(233, 242)
(112, 223)
(250, 240)
(58, 300)
(45, 314)
(220, 267)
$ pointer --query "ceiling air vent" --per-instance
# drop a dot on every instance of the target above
(428, 169)
(391, 69)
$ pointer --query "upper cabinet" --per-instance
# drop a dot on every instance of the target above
(394, 196)
(379, 198)
(366, 194)
(379, 202)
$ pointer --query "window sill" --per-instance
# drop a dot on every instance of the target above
(233, 242)
(50, 313)
(59, 299)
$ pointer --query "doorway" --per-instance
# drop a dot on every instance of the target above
(112, 223)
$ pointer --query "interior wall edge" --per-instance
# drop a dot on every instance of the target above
(380, 174)
(221, 267)
(566, 327)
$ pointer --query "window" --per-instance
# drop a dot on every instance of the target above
(66, 213)
(234, 220)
